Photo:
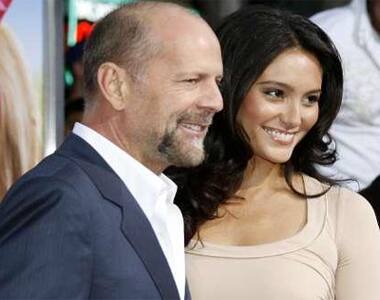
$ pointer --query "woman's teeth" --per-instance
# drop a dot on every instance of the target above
(279, 135)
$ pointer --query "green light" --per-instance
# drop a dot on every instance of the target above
(69, 79)
(72, 26)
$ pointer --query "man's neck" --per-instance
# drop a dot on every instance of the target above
(113, 134)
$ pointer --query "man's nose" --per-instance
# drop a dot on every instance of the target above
(213, 100)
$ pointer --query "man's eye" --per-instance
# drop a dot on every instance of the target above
(191, 80)
(219, 84)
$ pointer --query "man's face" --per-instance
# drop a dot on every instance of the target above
(177, 99)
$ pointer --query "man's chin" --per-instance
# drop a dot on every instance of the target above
(187, 159)
(182, 150)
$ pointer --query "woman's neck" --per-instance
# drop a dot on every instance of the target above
(260, 171)
(263, 174)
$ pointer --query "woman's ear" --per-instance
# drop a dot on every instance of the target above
(114, 85)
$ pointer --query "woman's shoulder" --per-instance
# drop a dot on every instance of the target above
(345, 207)
(350, 207)
(337, 195)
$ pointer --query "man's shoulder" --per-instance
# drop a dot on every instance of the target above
(55, 167)
(55, 178)
(56, 186)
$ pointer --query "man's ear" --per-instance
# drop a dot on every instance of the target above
(114, 84)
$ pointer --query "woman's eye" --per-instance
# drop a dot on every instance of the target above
(275, 93)
(312, 99)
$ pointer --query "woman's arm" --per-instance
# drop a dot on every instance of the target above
(358, 242)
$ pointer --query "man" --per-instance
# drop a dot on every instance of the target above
(96, 219)
(355, 30)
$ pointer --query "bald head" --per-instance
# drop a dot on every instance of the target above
(133, 35)
(170, 21)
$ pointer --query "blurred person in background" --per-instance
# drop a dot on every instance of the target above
(74, 63)
(20, 143)
(355, 30)
(74, 101)
(73, 113)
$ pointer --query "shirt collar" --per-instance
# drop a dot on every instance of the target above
(144, 185)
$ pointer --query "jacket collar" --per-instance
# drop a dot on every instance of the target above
(135, 226)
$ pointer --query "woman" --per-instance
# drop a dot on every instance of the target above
(19, 129)
(261, 221)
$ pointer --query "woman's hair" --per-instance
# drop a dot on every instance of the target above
(19, 134)
(251, 39)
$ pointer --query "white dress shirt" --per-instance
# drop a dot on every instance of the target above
(153, 193)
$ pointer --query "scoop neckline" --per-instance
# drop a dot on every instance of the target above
(316, 219)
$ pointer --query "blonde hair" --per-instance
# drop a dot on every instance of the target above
(19, 127)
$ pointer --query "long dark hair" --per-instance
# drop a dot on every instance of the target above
(251, 39)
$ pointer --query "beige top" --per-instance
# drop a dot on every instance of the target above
(336, 254)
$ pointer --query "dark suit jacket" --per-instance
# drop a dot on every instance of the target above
(70, 229)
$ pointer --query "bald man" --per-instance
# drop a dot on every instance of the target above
(96, 219)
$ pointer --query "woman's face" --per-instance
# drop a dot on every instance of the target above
(282, 105)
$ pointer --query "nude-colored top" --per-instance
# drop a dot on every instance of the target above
(336, 254)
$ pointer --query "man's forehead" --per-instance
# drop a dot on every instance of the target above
(188, 59)
(173, 23)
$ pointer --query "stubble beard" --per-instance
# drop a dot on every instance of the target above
(180, 152)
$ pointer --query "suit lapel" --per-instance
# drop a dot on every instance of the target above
(187, 292)
(135, 225)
